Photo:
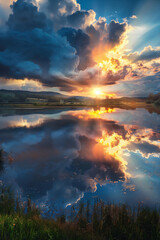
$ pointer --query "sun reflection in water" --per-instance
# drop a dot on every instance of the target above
(92, 113)
(114, 145)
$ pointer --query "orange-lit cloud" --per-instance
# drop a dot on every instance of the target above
(133, 17)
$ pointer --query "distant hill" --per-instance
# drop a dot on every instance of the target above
(44, 93)
(12, 96)
(45, 98)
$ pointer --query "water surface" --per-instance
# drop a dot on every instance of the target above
(57, 157)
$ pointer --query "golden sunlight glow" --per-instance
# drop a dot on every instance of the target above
(113, 61)
(92, 114)
(114, 145)
(97, 91)
(110, 147)
(111, 58)
(94, 91)
(111, 95)
(97, 113)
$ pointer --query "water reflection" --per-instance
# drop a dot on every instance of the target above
(62, 156)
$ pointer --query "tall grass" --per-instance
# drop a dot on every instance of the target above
(97, 222)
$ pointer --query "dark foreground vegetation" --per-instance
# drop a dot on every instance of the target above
(109, 222)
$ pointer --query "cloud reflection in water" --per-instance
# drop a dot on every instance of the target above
(64, 156)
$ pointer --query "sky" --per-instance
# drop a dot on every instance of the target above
(78, 47)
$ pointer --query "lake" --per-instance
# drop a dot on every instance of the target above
(60, 156)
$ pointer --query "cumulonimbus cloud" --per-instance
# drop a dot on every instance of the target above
(60, 45)
(30, 47)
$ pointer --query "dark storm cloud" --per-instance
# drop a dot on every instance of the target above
(60, 7)
(80, 18)
(81, 42)
(35, 54)
(30, 49)
(115, 32)
(94, 34)
(26, 17)
(67, 13)
(107, 34)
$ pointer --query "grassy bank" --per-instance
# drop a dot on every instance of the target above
(97, 222)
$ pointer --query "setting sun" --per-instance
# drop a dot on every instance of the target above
(97, 91)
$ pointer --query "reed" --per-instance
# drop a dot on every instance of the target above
(96, 221)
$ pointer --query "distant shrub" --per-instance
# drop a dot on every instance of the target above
(154, 99)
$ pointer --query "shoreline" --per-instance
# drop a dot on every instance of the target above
(123, 105)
